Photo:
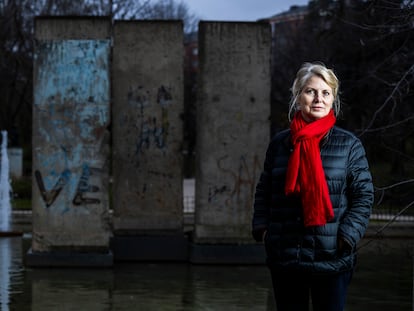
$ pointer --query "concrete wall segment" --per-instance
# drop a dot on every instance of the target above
(147, 129)
(70, 142)
(232, 127)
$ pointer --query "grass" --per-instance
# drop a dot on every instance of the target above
(22, 194)
(21, 204)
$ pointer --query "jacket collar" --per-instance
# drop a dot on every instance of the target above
(288, 139)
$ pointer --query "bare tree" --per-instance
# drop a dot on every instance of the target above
(15, 70)
(156, 10)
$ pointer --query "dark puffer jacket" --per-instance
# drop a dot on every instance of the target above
(288, 243)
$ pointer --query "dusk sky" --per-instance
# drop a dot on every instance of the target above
(239, 10)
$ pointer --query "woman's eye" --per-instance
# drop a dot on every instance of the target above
(326, 93)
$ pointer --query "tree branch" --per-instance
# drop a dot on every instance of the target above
(389, 99)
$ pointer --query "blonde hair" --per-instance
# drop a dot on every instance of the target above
(307, 71)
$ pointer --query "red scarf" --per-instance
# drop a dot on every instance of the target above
(305, 174)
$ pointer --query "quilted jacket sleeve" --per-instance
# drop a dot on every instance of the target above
(360, 196)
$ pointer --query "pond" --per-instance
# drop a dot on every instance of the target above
(382, 281)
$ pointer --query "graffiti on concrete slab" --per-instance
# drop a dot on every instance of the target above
(214, 191)
(71, 119)
(84, 186)
(49, 196)
(242, 182)
(164, 97)
(59, 123)
(152, 125)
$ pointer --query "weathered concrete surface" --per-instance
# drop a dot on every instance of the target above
(147, 129)
(71, 114)
(76, 28)
(233, 128)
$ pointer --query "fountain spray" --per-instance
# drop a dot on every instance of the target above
(5, 188)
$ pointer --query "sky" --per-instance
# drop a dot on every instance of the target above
(239, 10)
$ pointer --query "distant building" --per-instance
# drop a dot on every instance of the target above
(191, 54)
(293, 17)
(285, 24)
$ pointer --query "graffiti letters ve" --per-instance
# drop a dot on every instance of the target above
(83, 187)
(49, 196)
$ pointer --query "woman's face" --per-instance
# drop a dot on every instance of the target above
(316, 99)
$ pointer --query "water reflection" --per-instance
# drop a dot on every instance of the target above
(384, 277)
(383, 281)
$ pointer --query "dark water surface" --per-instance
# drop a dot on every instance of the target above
(382, 281)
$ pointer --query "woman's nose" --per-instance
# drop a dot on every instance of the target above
(317, 97)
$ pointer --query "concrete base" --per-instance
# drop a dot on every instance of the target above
(150, 248)
(67, 259)
(227, 254)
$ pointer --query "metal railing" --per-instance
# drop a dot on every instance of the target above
(377, 213)
(189, 204)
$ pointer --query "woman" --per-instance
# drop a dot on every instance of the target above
(314, 198)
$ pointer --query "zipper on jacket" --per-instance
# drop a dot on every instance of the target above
(298, 250)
